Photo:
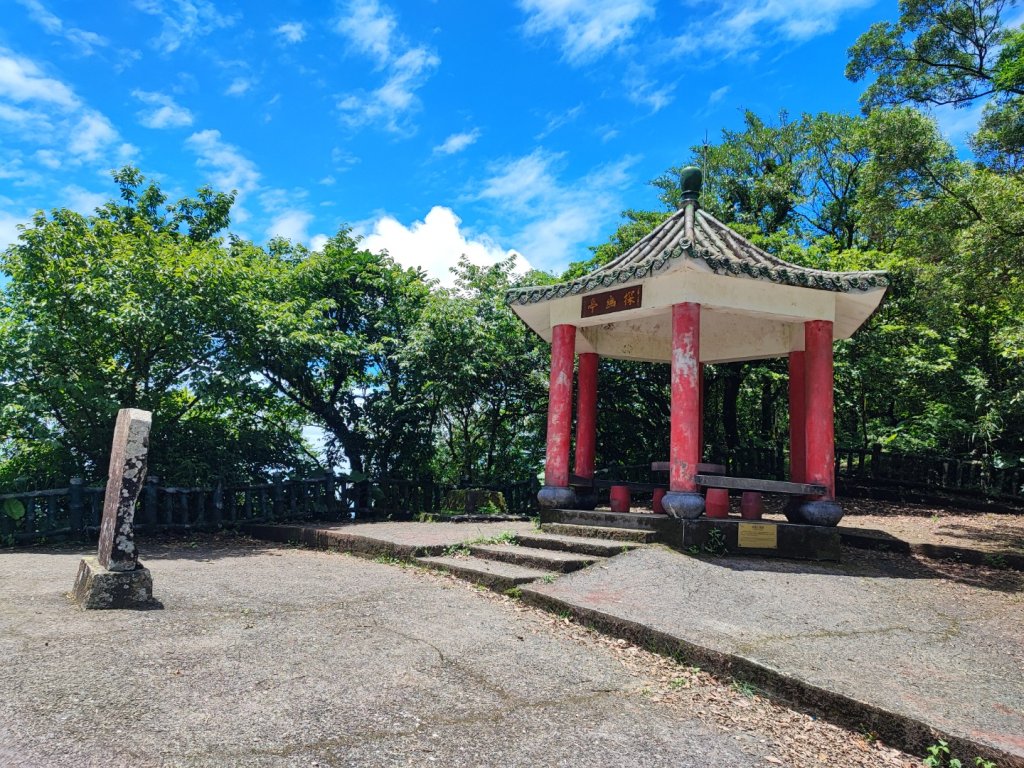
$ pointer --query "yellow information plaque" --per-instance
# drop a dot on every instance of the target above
(758, 535)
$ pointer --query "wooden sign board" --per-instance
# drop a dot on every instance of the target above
(607, 302)
(758, 536)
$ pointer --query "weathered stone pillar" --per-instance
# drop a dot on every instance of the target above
(115, 578)
(819, 428)
(556, 492)
(683, 499)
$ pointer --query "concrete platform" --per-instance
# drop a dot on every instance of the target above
(392, 539)
(879, 643)
(748, 537)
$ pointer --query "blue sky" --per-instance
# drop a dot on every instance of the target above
(432, 127)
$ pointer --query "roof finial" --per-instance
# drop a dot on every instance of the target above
(690, 179)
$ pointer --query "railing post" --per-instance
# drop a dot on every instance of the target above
(277, 507)
(218, 504)
(330, 502)
(76, 506)
(149, 502)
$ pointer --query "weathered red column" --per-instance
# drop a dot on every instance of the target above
(556, 491)
(819, 427)
(683, 499)
(586, 414)
(797, 419)
(586, 424)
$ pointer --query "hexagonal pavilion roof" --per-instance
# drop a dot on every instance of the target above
(754, 304)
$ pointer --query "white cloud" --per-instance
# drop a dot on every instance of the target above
(166, 112)
(435, 244)
(183, 20)
(49, 158)
(588, 28)
(718, 94)
(238, 86)
(644, 92)
(291, 225)
(561, 119)
(25, 121)
(457, 142)
(317, 242)
(22, 80)
(229, 168)
(84, 40)
(392, 102)
(371, 30)
(958, 124)
(92, 136)
(743, 27)
(82, 200)
(292, 32)
(9, 227)
(556, 220)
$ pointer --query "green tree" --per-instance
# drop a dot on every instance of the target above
(326, 331)
(124, 309)
(939, 52)
(483, 377)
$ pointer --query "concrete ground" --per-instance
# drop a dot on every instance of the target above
(265, 656)
(878, 633)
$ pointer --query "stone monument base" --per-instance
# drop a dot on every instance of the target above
(97, 587)
(765, 539)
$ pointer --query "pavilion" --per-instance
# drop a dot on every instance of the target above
(691, 292)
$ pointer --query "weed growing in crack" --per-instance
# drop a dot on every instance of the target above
(744, 688)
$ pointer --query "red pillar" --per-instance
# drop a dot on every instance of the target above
(820, 429)
(683, 500)
(586, 415)
(797, 419)
(556, 491)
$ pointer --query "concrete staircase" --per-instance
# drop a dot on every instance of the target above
(568, 541)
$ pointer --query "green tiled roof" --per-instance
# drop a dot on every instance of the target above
(724, 251)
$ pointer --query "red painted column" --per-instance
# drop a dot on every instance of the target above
(563, 343)
(685, 425)
(586, 415)
(820, 429)
(797, 419)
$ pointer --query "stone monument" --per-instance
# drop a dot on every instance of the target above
(115, 578)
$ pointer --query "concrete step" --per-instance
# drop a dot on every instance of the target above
(606, 519)
(545, 559)
(601, 532)
(489, 573)
(579, 544)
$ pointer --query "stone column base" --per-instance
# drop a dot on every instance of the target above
(97, 587)
(685, 505)
(553, 497)
(825, 512)
(586, 501)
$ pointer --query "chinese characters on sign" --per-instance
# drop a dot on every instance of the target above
(611, 301)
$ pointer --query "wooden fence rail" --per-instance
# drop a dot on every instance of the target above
(76, 511)
(864, 467)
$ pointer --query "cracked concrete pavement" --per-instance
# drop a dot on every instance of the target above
(265, 656)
